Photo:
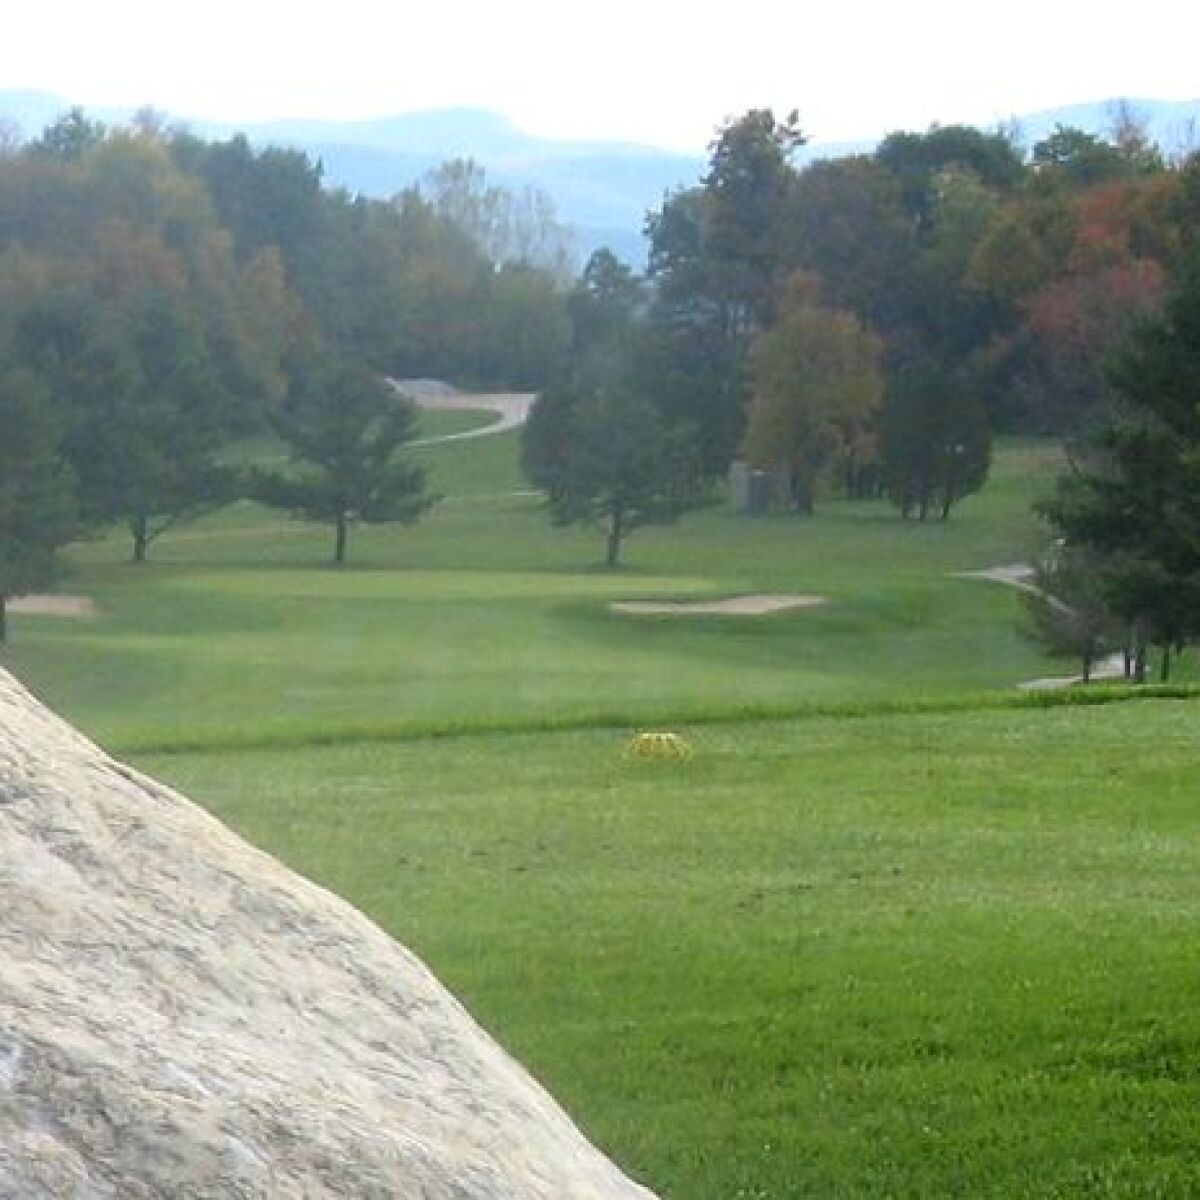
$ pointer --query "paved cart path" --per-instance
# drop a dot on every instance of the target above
(1020, 576)
(511, 407)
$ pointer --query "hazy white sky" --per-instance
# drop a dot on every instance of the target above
(657, 71)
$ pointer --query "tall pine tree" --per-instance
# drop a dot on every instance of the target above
(1136, 502)
(37, 513)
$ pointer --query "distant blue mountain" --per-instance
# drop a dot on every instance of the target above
(602, 189)
(1173, 124)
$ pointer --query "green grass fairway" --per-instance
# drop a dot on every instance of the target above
(445, 422)
(918, 956)
(942, 947)
(485, 615)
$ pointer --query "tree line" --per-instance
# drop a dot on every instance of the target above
(864, 324)
(162, 297)
(868, 323)
(1124, 572)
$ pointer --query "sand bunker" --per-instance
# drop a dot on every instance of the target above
(734, 606)
(53, 606)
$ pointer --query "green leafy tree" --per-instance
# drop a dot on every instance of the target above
(445, 283)
(70, 137)
(145, 431)
(935, 441)
(153, 389)
(1081, 159)
(458, 314)
(749, 184)
(603, 312)
(267, 198)
(37, 507)
(157, 344)
(719, 255)
(606, 458)
(696, 378)
(849, 227)
(342, 256)
(525, 334)
(345, 429)
(919, 162)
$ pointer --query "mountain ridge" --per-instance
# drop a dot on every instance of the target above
(602, 189)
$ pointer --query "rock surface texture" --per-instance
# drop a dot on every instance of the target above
(181, 1016)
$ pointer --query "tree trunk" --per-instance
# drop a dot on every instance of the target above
(139, 526)
(803, 494)
(339, 544)
(3, 620)
(947, 500)
(613, 555)
(1164, 669)
(1087, 663)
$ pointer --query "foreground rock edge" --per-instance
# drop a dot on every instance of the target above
(181, 1015)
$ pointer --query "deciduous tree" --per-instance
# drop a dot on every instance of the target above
(817, 385)
(603, 310)
(749, 184)
(718, 257)
(607, 458)
(1081, 159)
(935, 442)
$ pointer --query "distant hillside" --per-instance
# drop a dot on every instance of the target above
(1174, 125)
(602, 189)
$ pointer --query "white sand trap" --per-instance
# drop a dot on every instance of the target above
(734, 606)
(53, 606)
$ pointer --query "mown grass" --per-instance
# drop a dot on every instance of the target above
(930, 936)
(484, 615)
(433, 423)
(918, 955)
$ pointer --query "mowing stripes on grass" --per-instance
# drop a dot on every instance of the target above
(483, 616)
(299, 733)
(915, 955)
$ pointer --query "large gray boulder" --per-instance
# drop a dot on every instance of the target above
(181, 1016)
